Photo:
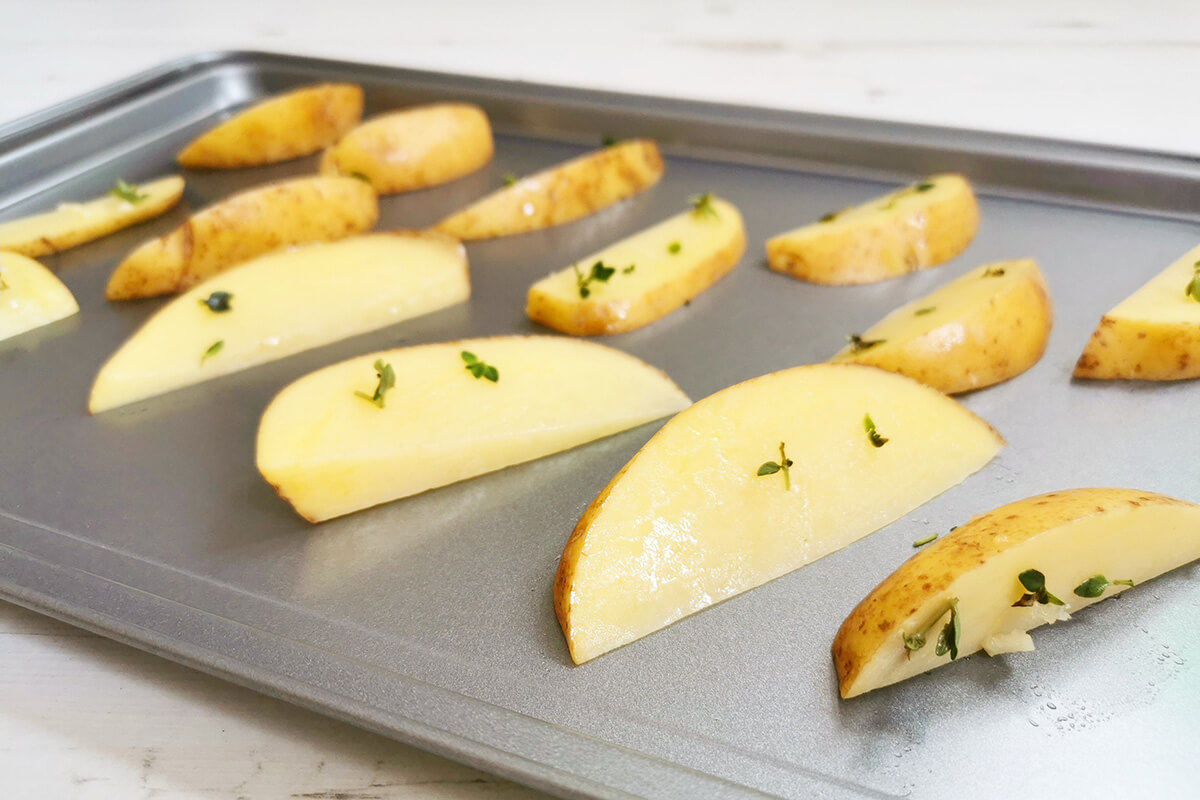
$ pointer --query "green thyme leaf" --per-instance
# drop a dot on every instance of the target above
(951, 635)
(782, 465)
(920, 312)
(923, 187)
(1033, 580)
(674, 247)
(830, 217)
(926, 540)
(3, 285)
(212, 350)
(362, 176)
(599, 272)
(387, 380)
(872, 433)
(508, 179)
(858, 344)
(480, 369)
(1193, 288)
(702, 206)
(629, 269)
(914, 642)
(1097, 584)
(1034, 583)
(609, 140)
(993, 272)
(127, 192)
(218, 302)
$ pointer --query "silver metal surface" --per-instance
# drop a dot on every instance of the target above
(430, 619)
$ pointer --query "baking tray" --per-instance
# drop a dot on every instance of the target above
(430, 619)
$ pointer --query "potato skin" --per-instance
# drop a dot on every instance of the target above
(884, 245)
(991, 345)
(279, 128)
(1140, 351)
(238, 228)
(562, 193)
(875, 621)
(603, 318)
(414, 148)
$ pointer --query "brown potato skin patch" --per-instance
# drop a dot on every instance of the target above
(1132, 350)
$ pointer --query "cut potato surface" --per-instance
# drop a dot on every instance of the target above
(30, 296)
(1154, 334)
(279, 128)
(241, 227)
(919, 226)
(990, 325)
(414, 148)
(644, 277)
(562, 193)
(73, 224)
(1084, 544)
(711, 507)
(284, 303)
(330, 450)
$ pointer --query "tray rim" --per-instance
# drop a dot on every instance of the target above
(31, 128)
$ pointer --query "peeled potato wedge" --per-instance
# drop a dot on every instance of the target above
(652, 273)
(279, 128)
(1072, 538)
(284, 303)
(414, 148)
(699, 514)
(241, 227)
(330, 450)
(990, 325)
(1152, 335)
(919, 226)
(562, 193)
(30, 296)
(73, 224)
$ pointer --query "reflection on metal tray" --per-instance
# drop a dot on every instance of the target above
(430, 619)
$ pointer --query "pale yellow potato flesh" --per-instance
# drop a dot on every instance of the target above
(1069, 536)
(688, 522)
(284, 303)
(414, 148)
(650, 280)
(329, 451)
(30, 296)
(1152, 335)
(910, 229)
(279, 128)
(562, 193)
(990, 325)
(73, 224)
(242, 227)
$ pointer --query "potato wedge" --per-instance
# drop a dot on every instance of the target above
(1152, 335)
(919, 226)
(643, 277)
(990, 325)
(751, 483)
(1077, 540)
(279, 128)
(284, 303)
(30, 296)
(241, 227)
(562, 193)
(73, 224)
(329, 449)
(414, 148)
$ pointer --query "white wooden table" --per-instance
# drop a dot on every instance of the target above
(82, 717)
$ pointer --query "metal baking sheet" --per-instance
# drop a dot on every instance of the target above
(430, 619)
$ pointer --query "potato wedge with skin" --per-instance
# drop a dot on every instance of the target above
(329, 450)
(284, 303)
(73, 224)
(414, 148)
(1070, 537)
(919, 226)
(990, 325)
(279, 128)
(244, 226)
(655, 272)
(30, 296)
(562, 193)
(1152, 335)
(706, 511)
